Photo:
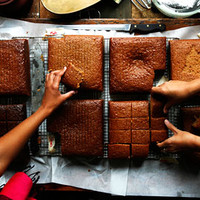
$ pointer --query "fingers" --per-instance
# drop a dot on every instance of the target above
(68, 95)
(157, 90)
(162, 144)
(171, 127)
(54, 77)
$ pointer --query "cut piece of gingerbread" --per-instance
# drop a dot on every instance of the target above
(157, 104)
(121, 151)
(140, 150)
(120, 136)
(140, 123)
(85, 52)
(140, 109)
(73, 76)
(158, 135)
(140, 137)
(120, 124)
(133, 62)
(158, 123)
(80, 123)
(185, 59)
(14, 67)
(120, 109)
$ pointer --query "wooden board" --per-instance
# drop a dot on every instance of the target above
(67, 6)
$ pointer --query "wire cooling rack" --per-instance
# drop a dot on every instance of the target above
(39, 68)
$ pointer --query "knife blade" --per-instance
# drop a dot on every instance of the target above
(139, 28)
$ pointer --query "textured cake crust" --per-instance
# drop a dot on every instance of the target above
(185, 59)
(14, 67)
(133, 61)
(191, 119)
(11, 116)
(80, 124)
(140, 109)
(120, 124)
(158, 135)
(84, 52)
(128, 124)
(120, 136)
(119, 151)
(158, 124)
(140, 136)
(73, 77)
(120, 109)
(140, 123)
(140, 150)
(157, 106)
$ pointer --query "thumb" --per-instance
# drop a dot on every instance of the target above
(68, 95)
(171, 127)
(157, 90)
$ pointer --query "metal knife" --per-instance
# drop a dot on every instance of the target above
(139, 28)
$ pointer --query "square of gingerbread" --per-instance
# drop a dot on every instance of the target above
(120, 124)
(120, 136)
(119, 151)
(133, 61)
(185, 59)
(158, 135)
(140, 109)
(85, 52)
(158, 124)
(120, 109)
(140, 123)
(14, 67)
(140, 150)
(191, 119)
(157, 104)
(80, 124)
(140, 136)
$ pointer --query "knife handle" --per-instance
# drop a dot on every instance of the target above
(147, 28)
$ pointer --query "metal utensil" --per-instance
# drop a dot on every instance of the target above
(141, 28)
(142, 4)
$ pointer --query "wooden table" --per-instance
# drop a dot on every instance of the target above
(110, 13)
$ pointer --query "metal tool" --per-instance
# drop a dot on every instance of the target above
(142, 4)
(141, 28)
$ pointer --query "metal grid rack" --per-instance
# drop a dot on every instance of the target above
(39, 66)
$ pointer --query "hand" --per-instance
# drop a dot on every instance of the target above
(180, 141)
(52, 97)
(174, 91)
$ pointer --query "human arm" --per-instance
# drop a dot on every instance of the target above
(12, 142)
(180, 141)
(177, 91)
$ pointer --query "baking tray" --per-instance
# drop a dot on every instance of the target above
(39, 68)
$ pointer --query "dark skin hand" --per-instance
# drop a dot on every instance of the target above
(175, 92)
(180, 141)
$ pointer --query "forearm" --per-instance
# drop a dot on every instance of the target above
(195, 144)
(12, 142)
